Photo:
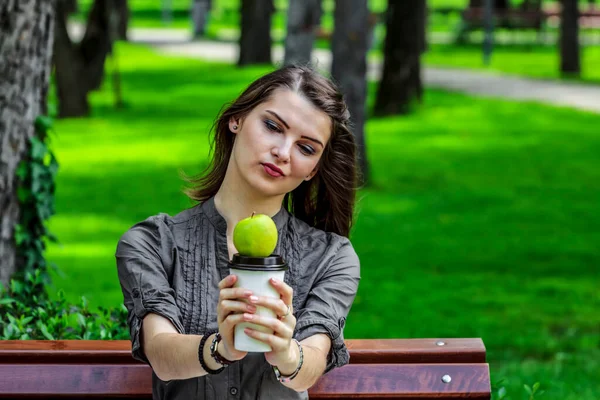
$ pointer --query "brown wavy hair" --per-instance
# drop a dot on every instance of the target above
(326, 201)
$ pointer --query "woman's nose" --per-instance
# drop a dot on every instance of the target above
(282, 151)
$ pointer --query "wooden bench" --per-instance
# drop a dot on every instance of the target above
(390, 368)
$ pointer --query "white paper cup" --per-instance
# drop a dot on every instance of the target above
(254, 274)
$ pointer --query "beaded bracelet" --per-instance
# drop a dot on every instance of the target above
(215, 354)
(201, 355)
(285, 379)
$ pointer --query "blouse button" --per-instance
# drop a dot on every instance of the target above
(233, 391)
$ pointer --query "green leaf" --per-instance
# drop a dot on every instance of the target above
(501, 393)
(81, 319)
(527, 389)
(6, 301)
(52, 109)
(38, 149)
(536, 386)
(23, 194)
(22, 171)
(45, 332)
(43, 123)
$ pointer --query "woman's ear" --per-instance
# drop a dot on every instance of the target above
(234, 125)
(312, 174)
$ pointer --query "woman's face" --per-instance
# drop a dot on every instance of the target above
(279, 143)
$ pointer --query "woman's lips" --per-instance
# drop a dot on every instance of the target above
(272, 170)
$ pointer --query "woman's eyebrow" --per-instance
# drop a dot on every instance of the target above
(288, 127)
(279, 118)
(312, 139)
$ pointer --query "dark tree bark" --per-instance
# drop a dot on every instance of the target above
(349, 67)
(69, 67)
(304, 17)
(80, 66)
(498, 4)
(122, 14)
(570, 57)
(255, 37)
(26, 35)
(401, 82)
(199, 13)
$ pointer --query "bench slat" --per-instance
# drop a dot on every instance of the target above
(362, 351)
(366, 381)
(406, 381)
(58, 379)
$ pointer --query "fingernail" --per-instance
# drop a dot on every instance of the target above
(254, 299)
(248, 316)
(247, 293)
(251, 308)
(275, 281)
(247, 330)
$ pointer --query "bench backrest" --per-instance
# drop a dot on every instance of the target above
(384, 368)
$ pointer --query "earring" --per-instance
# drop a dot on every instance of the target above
(234, 127)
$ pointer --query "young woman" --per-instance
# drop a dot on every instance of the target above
(284, 149)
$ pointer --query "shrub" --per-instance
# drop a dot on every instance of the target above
(27, 313)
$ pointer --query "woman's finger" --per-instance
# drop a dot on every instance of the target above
(278, 306)
(277, 343)
(286, 291)
(232, 320)
(278, 327)
(229, 306)
(234, 293)
(228, 281)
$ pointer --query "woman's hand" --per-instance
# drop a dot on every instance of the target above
(230, 312)
(284, 354)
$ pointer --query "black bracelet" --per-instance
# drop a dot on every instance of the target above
(286, 379)
(201, 355)
(215, 353)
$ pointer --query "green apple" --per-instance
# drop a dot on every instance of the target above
(255, 236)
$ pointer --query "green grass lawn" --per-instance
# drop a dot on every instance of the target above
(482, 219)
(531, 61)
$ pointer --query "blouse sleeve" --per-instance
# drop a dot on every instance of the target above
(329, 302)
(144, 263)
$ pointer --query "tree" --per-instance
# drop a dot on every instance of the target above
(79, 67)
(304, 17)
(349, 67)
(570, 57)
(401, 82)
(122, 16)
(199, 13)
(255, 36)
(26, 36)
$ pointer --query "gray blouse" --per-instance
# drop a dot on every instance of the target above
(171, 266)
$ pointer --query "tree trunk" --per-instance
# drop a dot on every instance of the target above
(80, 67)
(122, 8)
(570, 61)
(26, 35)
(96, 43)
(255, 37)
(498, 4)
(304, 17)
(349, 67)
(68, 67)
(401, 82)
(199, 14)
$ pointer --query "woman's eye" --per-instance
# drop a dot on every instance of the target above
(272, 126)
(307, 150)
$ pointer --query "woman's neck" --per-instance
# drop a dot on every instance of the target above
(235, 201)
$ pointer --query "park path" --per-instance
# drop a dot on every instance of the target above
(575, 95)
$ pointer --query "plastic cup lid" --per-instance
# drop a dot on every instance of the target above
(274, 262)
